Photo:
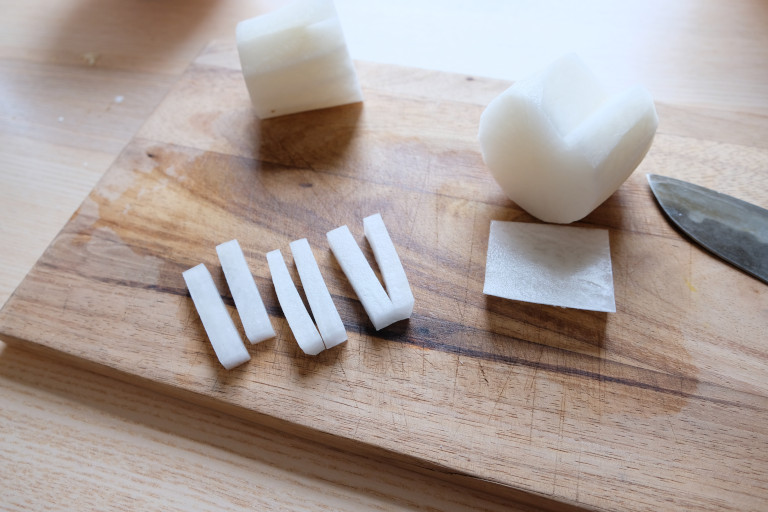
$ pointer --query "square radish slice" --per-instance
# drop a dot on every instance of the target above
(296, 314)
(326, 315)
(221, 331)
(562, 266)
(383, 310)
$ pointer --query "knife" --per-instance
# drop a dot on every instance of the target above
(729, 228)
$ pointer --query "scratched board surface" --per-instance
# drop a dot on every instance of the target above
(662, 404)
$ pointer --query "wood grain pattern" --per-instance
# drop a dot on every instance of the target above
(665, 399)
(150, 452)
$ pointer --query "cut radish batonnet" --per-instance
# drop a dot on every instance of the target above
(383, 307)
(304, 330)
(326, 315)
(217, 322)
(245, 293)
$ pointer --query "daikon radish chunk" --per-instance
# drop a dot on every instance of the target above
(296, 314)
(383, 310)
(296, 59)
(221, 331)
(326, 315)
(559, 145)
(547, 264)
(245, 293)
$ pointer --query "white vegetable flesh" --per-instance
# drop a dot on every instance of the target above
(295, 59)
(222, 333)
(547, 264)
(304, 330)
(245, 293)
(559, 145)
(390, 266)
(382, 309)
(326, 315)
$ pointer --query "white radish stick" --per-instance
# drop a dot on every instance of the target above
(398, 288)
(221, 331)
(380, 308)
(301, 324)
(326, 315)
(250, 307)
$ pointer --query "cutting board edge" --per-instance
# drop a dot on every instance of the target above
(405, 461)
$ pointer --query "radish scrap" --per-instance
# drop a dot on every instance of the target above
(245, 293)
(296, 314)
(221, 331)
(559, 145)
(296, 59)
(382, 309)
(326, 315)
(548, 264)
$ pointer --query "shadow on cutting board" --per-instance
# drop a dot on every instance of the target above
(557, 327)
(316, 140)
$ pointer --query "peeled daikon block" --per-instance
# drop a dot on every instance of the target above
(296, 59)
(559, 144)
(392, 271)
(221, 331)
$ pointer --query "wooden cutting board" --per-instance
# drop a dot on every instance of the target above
(662, 404)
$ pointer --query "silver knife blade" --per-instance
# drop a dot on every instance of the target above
(729, 228)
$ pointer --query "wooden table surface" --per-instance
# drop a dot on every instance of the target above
(77, 80)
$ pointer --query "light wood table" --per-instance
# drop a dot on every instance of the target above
(78, 78)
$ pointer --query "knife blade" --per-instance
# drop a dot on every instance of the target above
(729, 228)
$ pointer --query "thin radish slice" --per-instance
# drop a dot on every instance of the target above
(380, 307)
(221, 331)
(326, 315)
(301, 324)
(547, 264)
(250, 307)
